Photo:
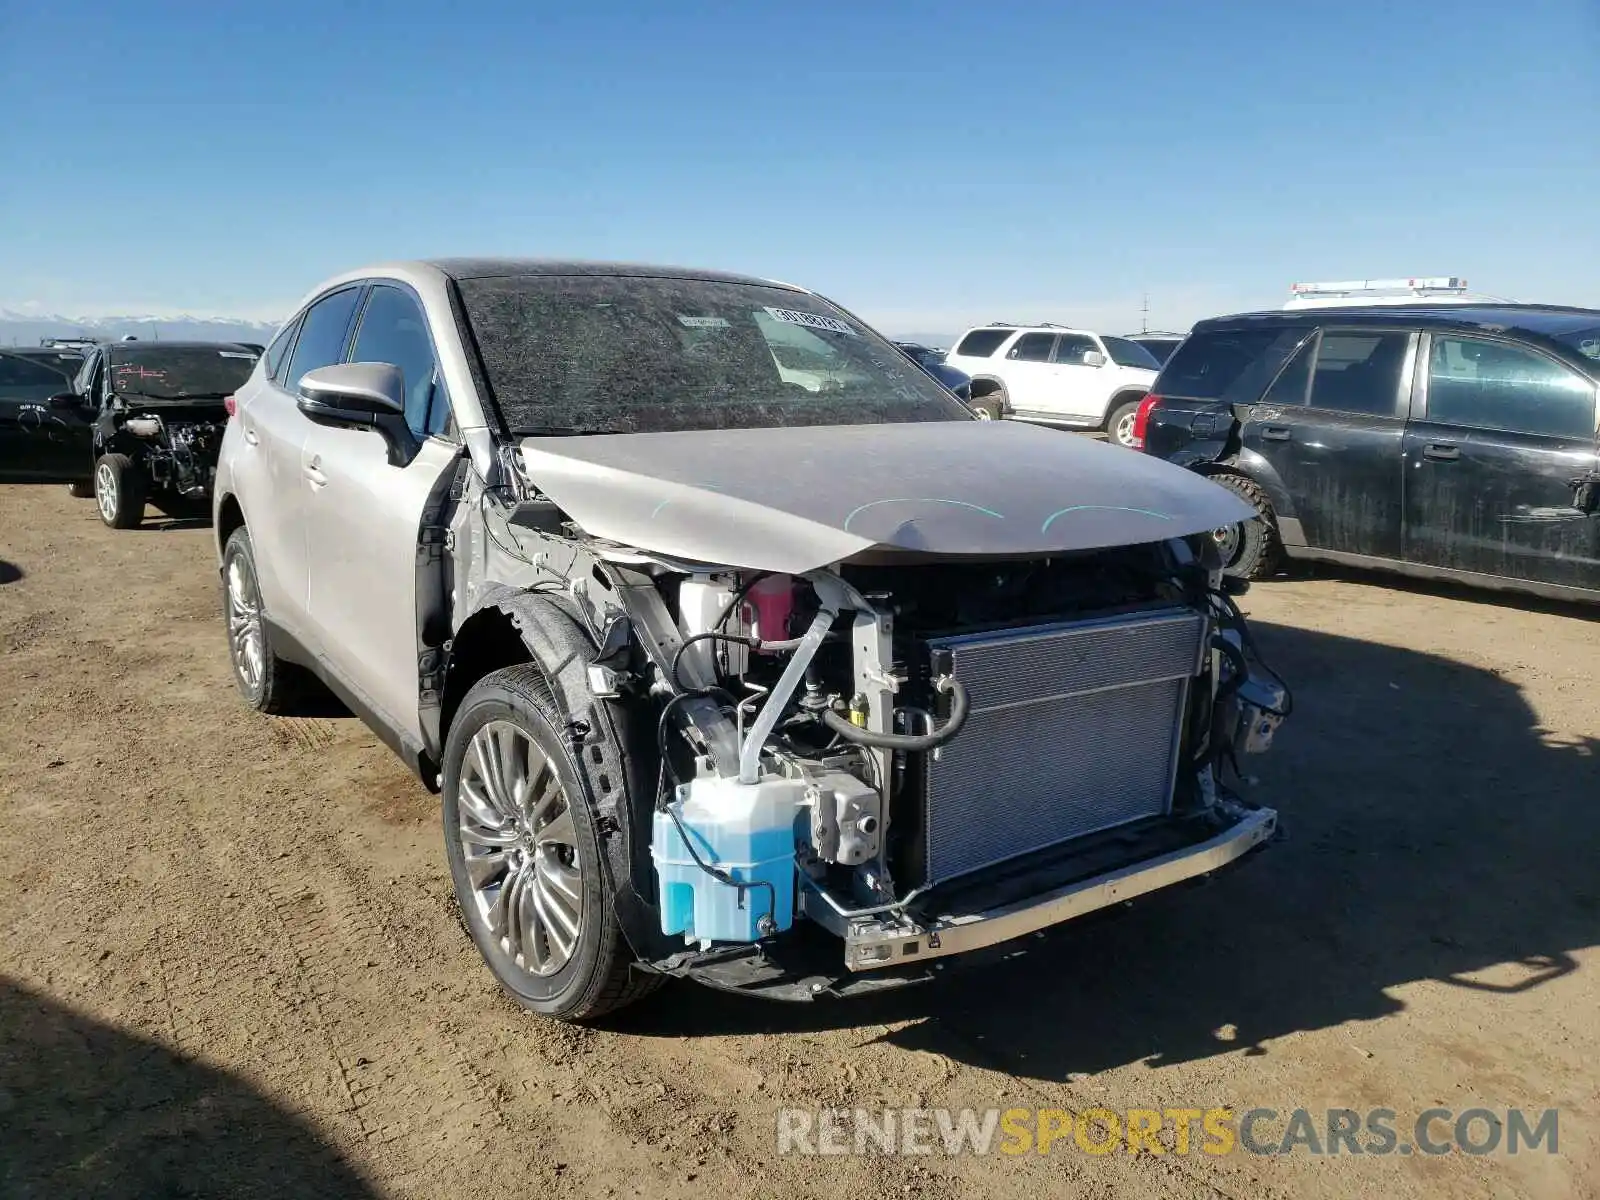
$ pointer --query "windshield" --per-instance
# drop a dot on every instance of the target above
(1585, 341)
(1130, 354)
(614, 354)
(180, 372)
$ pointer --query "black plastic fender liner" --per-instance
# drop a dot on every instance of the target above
(614, 745)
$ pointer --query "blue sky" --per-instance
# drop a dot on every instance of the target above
(928, 165)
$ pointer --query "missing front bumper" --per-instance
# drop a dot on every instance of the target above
(871, 945)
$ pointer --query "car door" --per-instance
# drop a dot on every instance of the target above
(1502, 434)
(268, 465)
(1078, 388)
(1331, 428)
(34, 446)
(1029, 375)
(364, 515)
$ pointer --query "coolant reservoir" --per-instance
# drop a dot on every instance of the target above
(749, 831)
(771, 601)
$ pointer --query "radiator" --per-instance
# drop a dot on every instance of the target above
(1073, 728)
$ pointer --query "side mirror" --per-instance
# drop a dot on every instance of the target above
(1093, 358)
(361, 396)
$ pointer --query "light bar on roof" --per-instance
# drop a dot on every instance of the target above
(1427, 283)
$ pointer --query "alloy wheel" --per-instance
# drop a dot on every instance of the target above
(520, 847)
(245, 639)
(105, 491)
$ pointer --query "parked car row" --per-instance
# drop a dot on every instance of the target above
(127, 422)
(717, 619)
(1453, 441)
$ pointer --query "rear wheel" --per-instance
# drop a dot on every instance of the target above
(1252, 548)
(267, 683)
(525, 854)
(1119, 425)
(990, 406)
(119, 490)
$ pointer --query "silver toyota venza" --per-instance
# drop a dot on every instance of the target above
(738, 649)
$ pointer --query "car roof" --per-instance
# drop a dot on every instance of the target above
(1544, 319)
(1009, 329)
(501, 268)
(166, 344)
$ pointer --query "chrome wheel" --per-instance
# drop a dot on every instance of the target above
(520, 847)
(1122, 434)
(105, 491)
(244, 624)
(983, 414)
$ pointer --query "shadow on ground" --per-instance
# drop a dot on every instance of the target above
(9, 572)
(1435, 831)
(87, 1110)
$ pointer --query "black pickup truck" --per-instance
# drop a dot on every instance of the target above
(1450, 441)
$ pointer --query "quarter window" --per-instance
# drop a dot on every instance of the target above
(1032, 347)
(1359, 371)
(279, 350)
(393, 330)
(1071, 347)
(1472, 381)
(322, 335)
(981, 343)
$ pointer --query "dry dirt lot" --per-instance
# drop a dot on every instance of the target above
(230, 965)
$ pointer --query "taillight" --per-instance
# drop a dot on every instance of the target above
(231, 404)
(1141, 420)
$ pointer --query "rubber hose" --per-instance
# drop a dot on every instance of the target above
(907, 741)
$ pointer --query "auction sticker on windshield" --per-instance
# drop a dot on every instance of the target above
(793, 316)
(703, 322)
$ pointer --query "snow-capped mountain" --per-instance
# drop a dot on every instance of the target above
(24, 327)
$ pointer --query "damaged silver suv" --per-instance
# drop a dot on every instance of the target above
(737, 648)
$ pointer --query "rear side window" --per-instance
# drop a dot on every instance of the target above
(981, 343)
(1227, 364)
(1032, 347)
(20, 373)
(1294, 380)
(1072, 347)
(1359, 371)
(1475, 382)
(322, 334)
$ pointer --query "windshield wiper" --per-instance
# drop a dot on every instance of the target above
(569, 430)
(180, 395)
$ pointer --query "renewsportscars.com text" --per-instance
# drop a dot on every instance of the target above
(1212, 1131)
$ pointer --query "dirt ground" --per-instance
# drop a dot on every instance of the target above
(230, 964)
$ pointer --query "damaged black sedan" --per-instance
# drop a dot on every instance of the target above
(149, 417)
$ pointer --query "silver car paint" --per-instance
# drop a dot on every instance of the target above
(798, 499)
(336, 526)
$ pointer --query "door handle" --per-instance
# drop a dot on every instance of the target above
(1276, 433)
(1441, 452)
(313, 471)
(251, 437)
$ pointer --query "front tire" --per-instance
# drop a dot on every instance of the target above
(1251, 549)
(120, 487)
(525, 855)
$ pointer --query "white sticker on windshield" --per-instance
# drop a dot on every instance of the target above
(702, 322)
(238, 354)
(794, 316)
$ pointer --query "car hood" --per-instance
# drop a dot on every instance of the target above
(797, 499)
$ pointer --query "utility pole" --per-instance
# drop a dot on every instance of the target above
(1144, 314)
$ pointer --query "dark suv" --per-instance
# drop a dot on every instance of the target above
(1453, 442)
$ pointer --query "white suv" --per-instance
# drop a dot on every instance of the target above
(1057, 376)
